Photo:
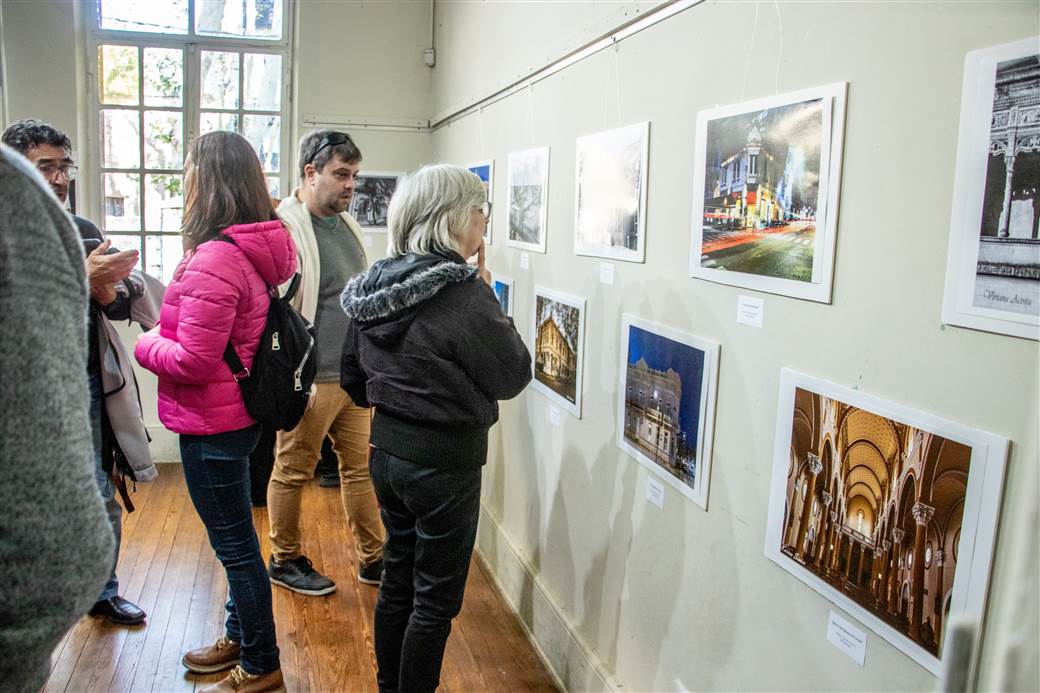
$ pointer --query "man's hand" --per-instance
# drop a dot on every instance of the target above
(482, 271)
(104, 271)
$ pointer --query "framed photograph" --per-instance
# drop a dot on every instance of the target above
(666, 402)
(485, 170)
(765, 191)
(371, 198)
(993, 267)
(888, 512)
(504, 291)
(559, 330)
(610, 193)
(528, 192)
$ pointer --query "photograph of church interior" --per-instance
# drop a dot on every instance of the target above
(293, 400)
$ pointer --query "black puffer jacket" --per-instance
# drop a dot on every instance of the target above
(428, 346)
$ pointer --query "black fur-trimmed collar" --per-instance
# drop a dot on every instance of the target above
(364, 298)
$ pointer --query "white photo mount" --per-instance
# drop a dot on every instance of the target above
(568, 301)
(476, 168)
(511, 296)
(601, 144)
(973, 154)
(536, 165)
(977, 533)
(698, 492)
(354, 210)
(833, 98)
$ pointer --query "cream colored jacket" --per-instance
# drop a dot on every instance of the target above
(297, 218)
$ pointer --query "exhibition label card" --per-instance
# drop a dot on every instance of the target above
(525, 260)
(655, 492)
(847, 638)
(750, 310)
(606, 272)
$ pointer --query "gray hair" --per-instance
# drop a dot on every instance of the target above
(430, 207)
(311, 154)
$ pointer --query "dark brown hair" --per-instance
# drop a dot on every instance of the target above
(223, 186)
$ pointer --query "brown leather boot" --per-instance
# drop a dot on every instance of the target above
(221, 655)
(238, 681)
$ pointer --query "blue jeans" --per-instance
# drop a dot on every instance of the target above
(216, 469)
(104, 484)
(431, 524)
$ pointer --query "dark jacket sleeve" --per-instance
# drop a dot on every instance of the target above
(489, 348)
(351, 378)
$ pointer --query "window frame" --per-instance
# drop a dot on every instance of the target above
(92, 194)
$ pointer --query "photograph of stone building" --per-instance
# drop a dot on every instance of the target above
(371, 199)
(558, 328)
(1008, 267)
(874, 508)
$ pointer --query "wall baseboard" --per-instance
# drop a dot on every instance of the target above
(555, 638)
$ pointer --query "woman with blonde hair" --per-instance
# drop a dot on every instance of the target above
(235, 252)
(429, 347)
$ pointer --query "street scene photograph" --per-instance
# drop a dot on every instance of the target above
(762, 191)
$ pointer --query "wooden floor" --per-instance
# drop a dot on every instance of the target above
(168, 568)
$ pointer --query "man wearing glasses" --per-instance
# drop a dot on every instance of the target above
(50, 150)
(329, 251)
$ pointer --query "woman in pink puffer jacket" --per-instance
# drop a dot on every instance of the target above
(219, 292)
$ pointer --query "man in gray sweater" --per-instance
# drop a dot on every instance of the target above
(56, 545)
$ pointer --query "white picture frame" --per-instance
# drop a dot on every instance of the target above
(781, 219)
(559, 363)
(928, 450)
(665, 357)
(371, 197)
(1004, 297)
(485, 170)
(527, 193)
(502, 283)
(610, 189)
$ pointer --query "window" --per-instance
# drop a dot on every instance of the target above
(167, 72)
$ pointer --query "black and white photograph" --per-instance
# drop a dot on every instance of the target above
(993, 266)
(485, 170)
(371, 198)
(766, 176)
(559, 329)
(610, 193)
(888, 512)
(666, 404)
(504, 292)
(528, 190)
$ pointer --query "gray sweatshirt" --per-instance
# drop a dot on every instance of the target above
(56, 544)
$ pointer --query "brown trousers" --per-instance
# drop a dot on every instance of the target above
(296, 456)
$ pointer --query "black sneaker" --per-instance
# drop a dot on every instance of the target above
(300, 576)
(371, 573)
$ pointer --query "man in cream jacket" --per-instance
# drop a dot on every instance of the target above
(329, 252)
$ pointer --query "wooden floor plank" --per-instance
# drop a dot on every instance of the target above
(326, 643)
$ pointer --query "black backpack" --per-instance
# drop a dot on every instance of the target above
(278, 386)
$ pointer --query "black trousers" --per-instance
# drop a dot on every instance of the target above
(431, 516)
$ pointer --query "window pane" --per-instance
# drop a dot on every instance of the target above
(262, 83)
(163, 202)
(122, 201)
(163, 76)
(164, 254)
(120, 140)
(117, 66)
(219, 79)
(210, 122)
(264, 132)
(274, 186)
(168, 16)
(250, 18)
(162, 139)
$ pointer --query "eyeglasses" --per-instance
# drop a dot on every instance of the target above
(485, 209)
(333, 139)
(50, 170)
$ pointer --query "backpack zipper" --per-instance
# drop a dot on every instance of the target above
(298, 373)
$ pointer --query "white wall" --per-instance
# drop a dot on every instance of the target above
(654, 596)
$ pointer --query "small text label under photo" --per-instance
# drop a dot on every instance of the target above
(655, 492)
(606, 272)
(847, 638)
(750, 311)
(525, 260)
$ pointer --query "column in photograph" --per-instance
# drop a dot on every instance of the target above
(937, 561)
(922, 516)
(825, 530)
(833, 544)
(815, 467)
(886, 569)
(898, 534)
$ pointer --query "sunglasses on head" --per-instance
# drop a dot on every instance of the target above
(333, 139)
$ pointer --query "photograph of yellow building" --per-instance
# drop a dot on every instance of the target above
(558, 328)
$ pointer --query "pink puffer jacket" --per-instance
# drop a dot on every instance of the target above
(218, 291)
